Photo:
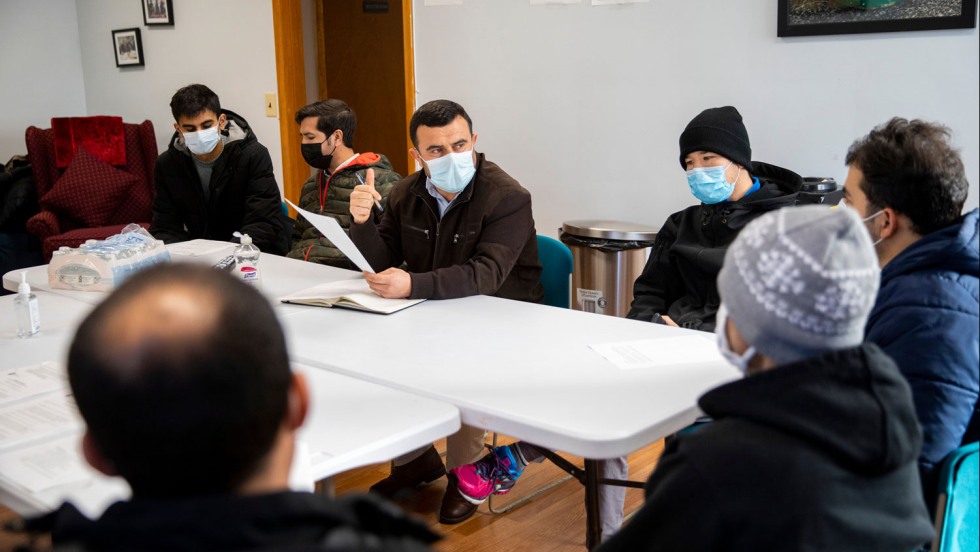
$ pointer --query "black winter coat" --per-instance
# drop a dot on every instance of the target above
(680, 276)
(279, 521)
(244, 196)
(816, 455)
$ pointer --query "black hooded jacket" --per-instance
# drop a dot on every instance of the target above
(244, 196)
(680, 276)
(279, 521)
(816, 455)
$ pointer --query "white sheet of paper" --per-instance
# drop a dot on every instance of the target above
(667, 351)
(39, 417)
(301, 472)
(336, 288)
(199, 249)
(610, 2)
(331, 229)
(542, 2)
(25, 381)
(41, 467)
(443, 3)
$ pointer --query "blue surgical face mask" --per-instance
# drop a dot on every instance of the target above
(739, 361)
(451, 173)
(202, 142)
(708, 184)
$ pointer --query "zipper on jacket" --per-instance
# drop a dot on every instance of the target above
(457, 237)
(423, 230)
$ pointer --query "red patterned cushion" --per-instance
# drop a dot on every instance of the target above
(90, 191)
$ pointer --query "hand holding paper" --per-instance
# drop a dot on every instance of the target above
(331, 229)
(393, 283)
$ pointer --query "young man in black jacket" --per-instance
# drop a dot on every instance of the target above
(182, 377)
(816, 448)
(215, 179)
(677, 286)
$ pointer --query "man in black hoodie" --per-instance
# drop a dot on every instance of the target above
(677, 286)
(215, 179)
(816, 448)
(182, 377)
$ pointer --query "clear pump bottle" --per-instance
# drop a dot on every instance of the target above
(27, 312)
(247, 260)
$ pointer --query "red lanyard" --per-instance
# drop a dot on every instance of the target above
(323, 189)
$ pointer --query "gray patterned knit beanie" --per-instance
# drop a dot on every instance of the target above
(800, 281)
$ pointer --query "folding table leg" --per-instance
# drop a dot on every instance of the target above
(593, 525)
(324, 487)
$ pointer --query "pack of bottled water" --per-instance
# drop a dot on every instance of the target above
(101, 265)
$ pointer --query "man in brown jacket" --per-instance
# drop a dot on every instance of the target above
(462, 227)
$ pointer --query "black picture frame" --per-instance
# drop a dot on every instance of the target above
(158, 12)
(127, 46)
(833, 17)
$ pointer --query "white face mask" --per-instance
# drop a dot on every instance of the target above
(843, 205)
(451, 173)
(202, 142)
(870, 218)
(739, 361)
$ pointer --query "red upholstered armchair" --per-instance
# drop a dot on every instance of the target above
(92, 180)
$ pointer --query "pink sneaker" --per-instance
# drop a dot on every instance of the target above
(495, 473)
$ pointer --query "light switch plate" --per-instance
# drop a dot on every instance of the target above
(271, 108)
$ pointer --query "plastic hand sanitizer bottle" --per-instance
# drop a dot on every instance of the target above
(247, 260)
(27, 312)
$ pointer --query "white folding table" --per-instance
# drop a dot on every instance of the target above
(520, 369)
(350, 422)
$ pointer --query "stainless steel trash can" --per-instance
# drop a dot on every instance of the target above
(608, 256)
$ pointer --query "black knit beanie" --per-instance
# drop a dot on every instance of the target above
(718, 130)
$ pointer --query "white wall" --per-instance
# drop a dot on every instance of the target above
(40, 66)
(584, 104)
(227, 45)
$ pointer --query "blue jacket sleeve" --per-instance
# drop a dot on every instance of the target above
(936, 348)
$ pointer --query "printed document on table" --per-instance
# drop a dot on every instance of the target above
(25, 381)
(199, 248)
(667, 351)
(331, 229)
(41, 467)
(42, 416)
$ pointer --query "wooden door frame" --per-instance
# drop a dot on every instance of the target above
(409, 65)
(287, 23)
(287, 19)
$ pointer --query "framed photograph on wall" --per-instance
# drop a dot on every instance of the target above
(830, 17)
(158, 12)
(128, 47)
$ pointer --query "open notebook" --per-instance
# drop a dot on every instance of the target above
(349, 294)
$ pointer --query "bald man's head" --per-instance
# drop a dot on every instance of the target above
(182, 377)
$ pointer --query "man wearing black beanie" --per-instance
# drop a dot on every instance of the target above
(677, 286)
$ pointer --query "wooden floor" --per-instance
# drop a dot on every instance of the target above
(553, 521)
